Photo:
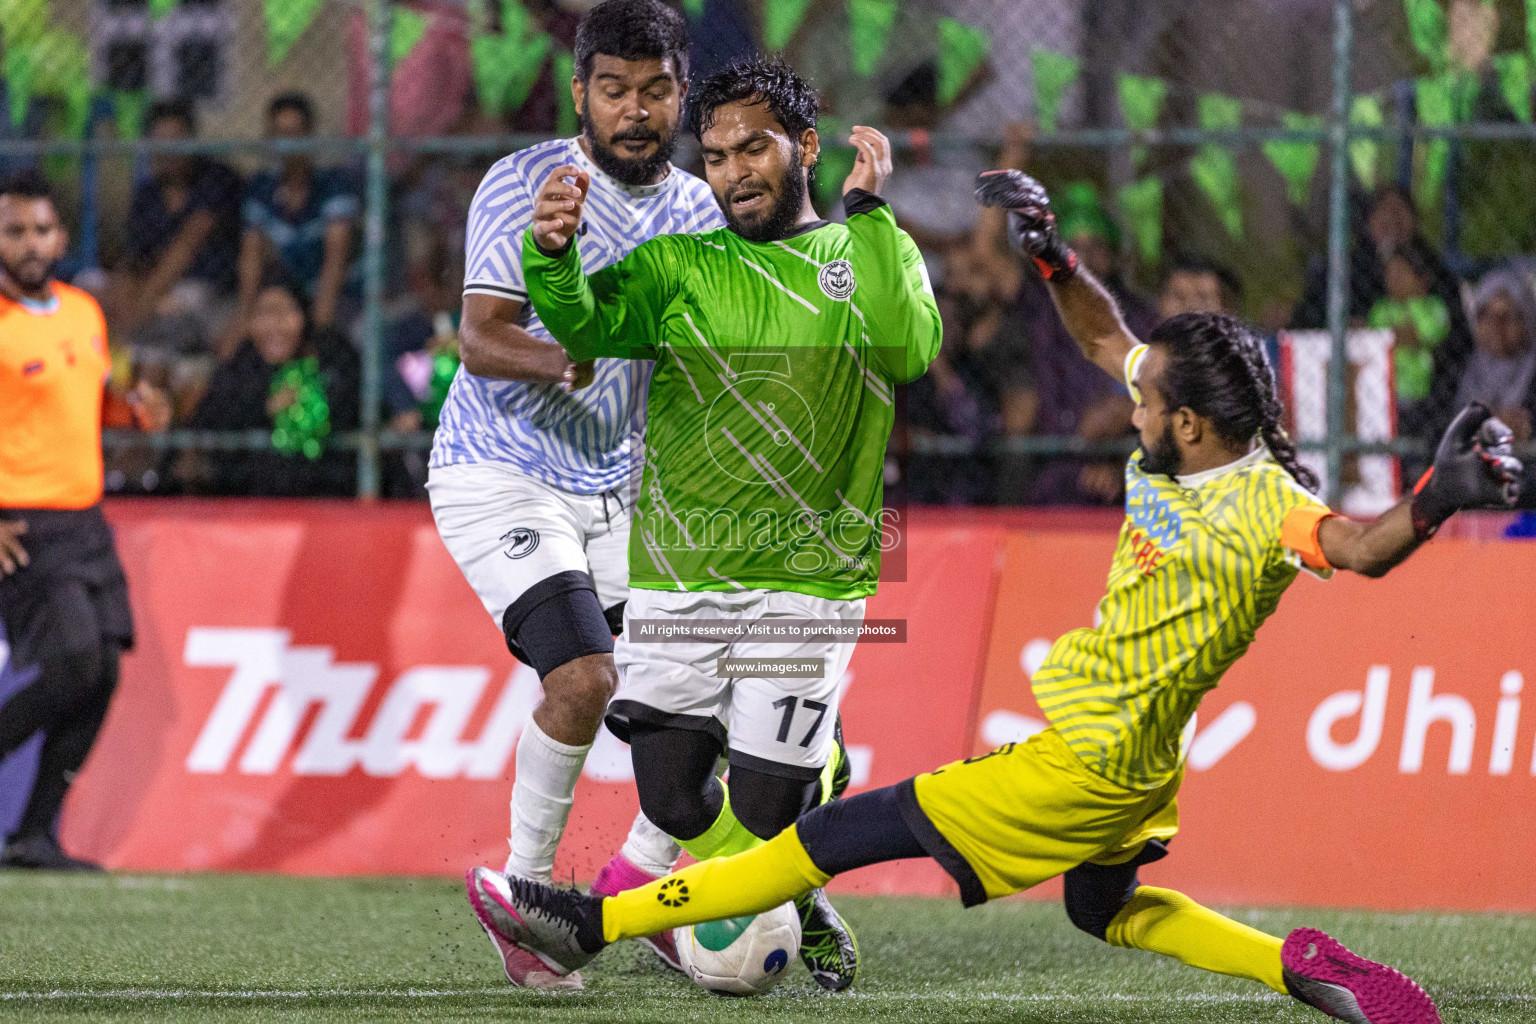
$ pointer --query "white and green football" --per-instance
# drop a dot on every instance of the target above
(740, 956)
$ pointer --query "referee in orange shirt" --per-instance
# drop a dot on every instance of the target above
(63, 598)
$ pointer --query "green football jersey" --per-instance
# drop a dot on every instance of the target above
(772, 398)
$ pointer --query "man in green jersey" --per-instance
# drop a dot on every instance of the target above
(777, 344)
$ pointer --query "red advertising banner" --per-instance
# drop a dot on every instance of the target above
(316, 690)
(908, 707)
(1369, 750)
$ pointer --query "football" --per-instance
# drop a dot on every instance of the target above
(741, 956)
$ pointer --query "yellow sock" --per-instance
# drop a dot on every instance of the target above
(1170, 923)
(725, 837)
(760, 879)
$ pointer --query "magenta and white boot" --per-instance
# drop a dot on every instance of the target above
(489, 899)
(617, 876)
(1320, 972)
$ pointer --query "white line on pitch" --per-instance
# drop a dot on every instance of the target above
(415, 993)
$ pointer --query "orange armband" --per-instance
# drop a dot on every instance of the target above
(1298, 532)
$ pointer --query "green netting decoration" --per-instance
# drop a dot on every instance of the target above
(1296, 161)
(1141, 204)
(1054, 75)
(1213, 166)
(1141, 104)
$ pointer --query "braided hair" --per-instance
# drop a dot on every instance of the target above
(1216, 367)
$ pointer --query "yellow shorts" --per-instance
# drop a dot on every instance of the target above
(1005, 821)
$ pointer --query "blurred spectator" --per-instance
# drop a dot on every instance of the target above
(932, 188)
(1501, 372)
(1089, 229)
(1502, 369)
(290, 377)
(1067, 395)
(434, 209)
(1193, 284)
(1420, 322)
(980, 383)
(720, 34)
(991, 348)
(1384, 226)
(184, 221)
(183, 229)
(1381, 225)
(1487, 214)
(421, 319)
(421, 357)
(948, 400)
(422, 372)
(300, 216)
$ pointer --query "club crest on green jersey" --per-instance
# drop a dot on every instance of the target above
(836, 280)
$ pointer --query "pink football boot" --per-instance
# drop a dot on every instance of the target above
(1320, 972)
(490, 905)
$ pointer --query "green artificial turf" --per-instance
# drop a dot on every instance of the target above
(247, 948)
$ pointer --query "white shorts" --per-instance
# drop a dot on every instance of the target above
(781, 726)
(509, 532)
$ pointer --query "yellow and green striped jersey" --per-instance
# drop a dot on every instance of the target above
(1198, 568)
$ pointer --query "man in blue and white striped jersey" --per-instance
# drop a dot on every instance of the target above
(531, 466)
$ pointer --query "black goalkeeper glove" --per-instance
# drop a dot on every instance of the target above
(1473, 468)
(1031, 224)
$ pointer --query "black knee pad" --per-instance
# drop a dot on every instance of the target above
(1096, 893)
(558, 619)
(678, 810)
(675, 778)
(768, 804)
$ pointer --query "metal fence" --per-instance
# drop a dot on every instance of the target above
(1262, 137)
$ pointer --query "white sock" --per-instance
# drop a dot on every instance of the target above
(542, 793)
(649, 848)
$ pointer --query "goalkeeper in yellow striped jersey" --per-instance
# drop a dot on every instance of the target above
(1220, 520)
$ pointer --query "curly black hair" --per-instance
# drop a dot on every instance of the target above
(632, 30)
(768, 80)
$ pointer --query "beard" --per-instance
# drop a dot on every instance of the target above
(29, 274)
(1163, 456)
(627, 170)
(780, 218)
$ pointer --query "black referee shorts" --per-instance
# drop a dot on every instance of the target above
(72, 596)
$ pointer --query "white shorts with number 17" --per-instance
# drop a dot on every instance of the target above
(781, 726)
